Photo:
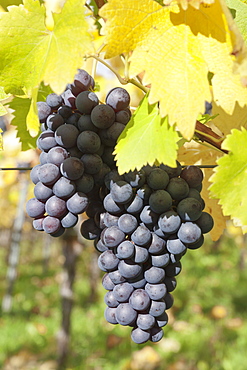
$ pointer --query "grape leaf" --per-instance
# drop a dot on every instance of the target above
(194, 153)
(177, 48)
(239, 13)
(21, 106)
(225, 121)
(147, 138)
(230, 177)
(3, 96)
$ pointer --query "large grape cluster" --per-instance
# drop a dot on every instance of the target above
(142, 222)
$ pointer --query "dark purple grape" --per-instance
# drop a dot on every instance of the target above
(43, 110)
(118, 98)
(72, 168)
(35, 208)
(54, 100)
(77, 203)
(56, 207)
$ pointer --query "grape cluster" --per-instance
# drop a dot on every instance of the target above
(150, 218)
(142, 222)
(77, 140)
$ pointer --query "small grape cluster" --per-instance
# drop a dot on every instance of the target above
(142, 222)
(150, 218)
(77, 140)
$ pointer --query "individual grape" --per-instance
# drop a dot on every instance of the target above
(107, 261)
(193, 193)
(156, 291)
(110, 220)
(110, 315)
(85, 183)
(172, 171)
(145, 321)
(157, 308)
(69, 98)
(54, 100)
(110, 135)
(42, 192)
(125, 250)
(189, 209)
(35, 208)
(160, 201)
(54, 121)
(51, 225)
(43, 110)
(73, 119)
(148, 216)
(103, 116)
(197, 244)
(118, 98)
(66, 136)
(99, 220)
(208, 108)
(107, 282)
(83, 80)
(72, 168)
(86, 101)
(156, 334)
(75, 152)
(110, 299)
(170, 283)
(48, 173)
(64, 188)
(125, 314)
(111, 178)
(92, 163)
(34, 174)
(160, 260)
(169, 222)
(157, 245)
(113, 236)
(129, 269)
(65, 111)
(173, 269)
(141, 254)
(77, 203)
(158, 179)
(111, 206)
(135, 178)
(127, 223)
(205, 222)
(135, 206)
(85, 123)
(192, 175)
(140, 336)
(123, 116)
(89, 230)
(177, 188)
(189, 233)
(88, 142)
(122, 292)
(162, 320)
(57, 155)
(38, 223)
(175, 245)
(144, 192)
(141, 236)
(69, 220)
(116, 277)
(139, 300)
(56, 207)
(108, 157)
(154, 275)
(46, 140)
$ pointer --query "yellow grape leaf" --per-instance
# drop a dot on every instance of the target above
(176, 48)
(198, 154)
(30, 53)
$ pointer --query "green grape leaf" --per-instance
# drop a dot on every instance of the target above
(239, 12)
(230, 178)
(147, 138)
(3, 96)
(22, 107)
